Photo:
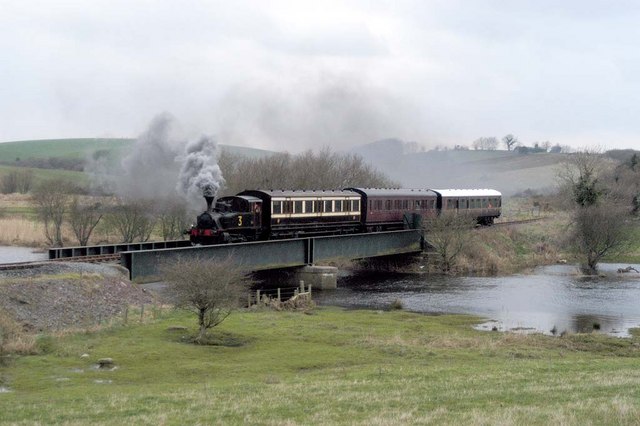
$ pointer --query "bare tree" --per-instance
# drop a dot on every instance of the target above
(172, 218)
(449, 234)
(510, 141)
(51, 199)
(211, 289)
(485, 143)
(599, 231)
(132, 219)
(16, 181)
(83, 217)
(324, 169)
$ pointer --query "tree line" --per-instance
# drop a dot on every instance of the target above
(60, 204)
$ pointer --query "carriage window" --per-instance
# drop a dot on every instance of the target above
(308, 206)
(387, 205)
(355, 205)
(484, 203)
(328, 206)
(276, 207)
(405, 204)
(287, 207)
(338, 204)
(417, 204)
(318, 206)
(378, 204)
(297, 205)
(499, 203)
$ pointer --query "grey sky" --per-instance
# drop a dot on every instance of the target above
(297, 74)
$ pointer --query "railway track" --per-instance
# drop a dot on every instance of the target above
(89, 259)
(519, 222)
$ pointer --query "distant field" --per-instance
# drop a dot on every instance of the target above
(63, 148)
(84, 147)
(44, 174)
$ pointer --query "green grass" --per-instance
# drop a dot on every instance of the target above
(46, 174)
(64, 148)
(349, 367)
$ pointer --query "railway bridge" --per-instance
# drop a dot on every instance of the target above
(144, 260)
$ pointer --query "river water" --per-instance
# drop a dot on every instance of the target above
(550, 300)
(21, 254)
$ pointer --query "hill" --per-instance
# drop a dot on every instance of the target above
(507, 171)
(81, 148)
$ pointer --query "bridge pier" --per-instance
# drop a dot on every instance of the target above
(320, 277)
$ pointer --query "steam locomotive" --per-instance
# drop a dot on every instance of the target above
(267, 214)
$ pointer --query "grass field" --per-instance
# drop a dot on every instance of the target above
(40, 175)
(331, 367)
(64, 148)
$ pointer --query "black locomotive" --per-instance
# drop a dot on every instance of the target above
(262, 215)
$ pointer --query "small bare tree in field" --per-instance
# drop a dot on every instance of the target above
(52, 199)
(599, 230)
(449, 234)
(209, 288)
(83, 217)
(510, 141)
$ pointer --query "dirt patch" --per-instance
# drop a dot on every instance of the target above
(64, 295)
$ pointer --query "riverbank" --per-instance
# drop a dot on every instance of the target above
(330, 367)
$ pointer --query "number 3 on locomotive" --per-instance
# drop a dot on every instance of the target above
(239, 220)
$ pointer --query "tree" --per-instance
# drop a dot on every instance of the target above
(132, 219)
(581, 174)
(51, 199)
(172, 218)
(599, 231)
(485, 143)
(449, 234)
(83, 217)
(211, 289)
(323, 169)
(16, 181)
(510, 141)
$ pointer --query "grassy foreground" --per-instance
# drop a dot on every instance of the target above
(334, 366)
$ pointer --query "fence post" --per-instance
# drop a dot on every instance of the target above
(301, 286)
(309, 291)
(257, 296)
(279, 299)
(249, 300)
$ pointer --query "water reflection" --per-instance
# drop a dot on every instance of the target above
(553, 298)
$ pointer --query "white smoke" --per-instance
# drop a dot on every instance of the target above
(200, 174)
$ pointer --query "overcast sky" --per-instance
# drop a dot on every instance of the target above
(297, 74)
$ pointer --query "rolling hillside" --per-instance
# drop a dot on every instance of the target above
(508, 172)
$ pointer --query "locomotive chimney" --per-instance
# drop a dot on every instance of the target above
(209, 202)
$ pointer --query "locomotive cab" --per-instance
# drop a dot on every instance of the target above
(233, 219)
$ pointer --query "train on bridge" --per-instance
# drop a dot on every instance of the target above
(274, 214)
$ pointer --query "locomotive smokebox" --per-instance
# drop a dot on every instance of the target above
(209, 202)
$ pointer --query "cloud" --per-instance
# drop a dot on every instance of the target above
(296, 74)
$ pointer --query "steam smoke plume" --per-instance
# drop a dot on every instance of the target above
(200, 174)
(150, 170)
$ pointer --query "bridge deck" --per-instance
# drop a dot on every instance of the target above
(280, 253)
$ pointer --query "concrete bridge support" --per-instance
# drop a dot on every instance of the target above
(319, 277)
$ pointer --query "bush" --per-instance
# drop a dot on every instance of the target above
(13, 340)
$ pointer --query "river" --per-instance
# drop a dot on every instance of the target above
(10, 254)
(550, 300)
